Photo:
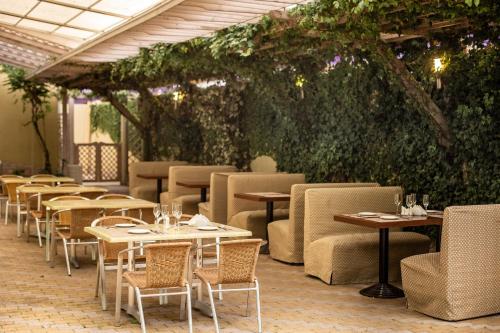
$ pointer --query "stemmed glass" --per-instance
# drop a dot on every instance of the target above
(165, 217)
(409, 201)
(157, 213)
(177, 212)
(397, 201)
(425, 201)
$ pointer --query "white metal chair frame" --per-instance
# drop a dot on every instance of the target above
(162, 293)
(4, 196)
(71, 244)
(20, 206)
(100, 290)
(220, 290)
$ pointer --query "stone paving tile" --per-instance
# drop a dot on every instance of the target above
(37, 298)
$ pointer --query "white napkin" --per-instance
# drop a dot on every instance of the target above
(417, 210)
(199, 220)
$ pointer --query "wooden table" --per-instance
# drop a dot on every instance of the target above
(27, 180)
(159, 182)
(269, 198)
(383, 289)
(53, 190)
(196, 184)
(120, 235)
(88, 204)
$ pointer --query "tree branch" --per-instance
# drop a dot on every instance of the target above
(414, 90)
(124, 111)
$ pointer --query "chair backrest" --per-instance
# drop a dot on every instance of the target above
(110, 250)
(148, 168)
(167, 264)
(218, 195)
(10, 189)
(323, 203)
(237, 260)
(81, 218)
(273, 182)
(64, 217)
(24, 197)
(470, 255)
(297, 198)
(111, 196)
(3, 189)
(191, 173)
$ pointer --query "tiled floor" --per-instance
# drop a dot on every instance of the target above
(36, 298)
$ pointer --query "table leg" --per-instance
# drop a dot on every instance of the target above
(438, 238)
(203, 194)
(47, 234)
(269, 218)
(18, 219)
(383, 289)
(159, 187)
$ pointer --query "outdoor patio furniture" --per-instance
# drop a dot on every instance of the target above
(341, 253)
(251, 215)
(216, 208)
(166, 268)
(4, 196)
(286, 237)
(187, 196)
(12, 200)
(75, 235)
(461, 281)
(108, 252)
(237, 263)
(146, 188)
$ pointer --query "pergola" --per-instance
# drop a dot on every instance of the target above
(65, 38)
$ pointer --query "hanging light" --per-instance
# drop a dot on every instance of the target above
(438, 65)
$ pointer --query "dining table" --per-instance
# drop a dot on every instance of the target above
(43, 180)
(269, 198)
(54, 206)
(383, 222)
(202, 185)
(52, 191)
(159, 233)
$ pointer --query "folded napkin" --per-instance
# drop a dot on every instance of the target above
(417, 210)
(199, 220)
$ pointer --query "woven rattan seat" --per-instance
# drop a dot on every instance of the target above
(208, 275)
(136, 279)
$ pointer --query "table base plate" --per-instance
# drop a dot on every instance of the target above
(382, 290)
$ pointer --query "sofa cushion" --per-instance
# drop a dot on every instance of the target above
(353, 258)
(255, 221)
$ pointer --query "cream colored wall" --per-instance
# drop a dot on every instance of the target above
(18, 143)
(82, 132)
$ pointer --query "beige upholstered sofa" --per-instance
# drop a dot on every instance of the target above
(286, 237)
(251, 215)
(463, 280)
(146, 188)
(189, 197)
(341, 253)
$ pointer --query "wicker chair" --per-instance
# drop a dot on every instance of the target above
(237, 262)
(3, 190)
(166, 267)
(136, 213)
(22, 203)
(10, 189)
(75, 234)
(43, 175)
(108, 253)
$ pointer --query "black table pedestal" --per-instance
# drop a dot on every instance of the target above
(269, 218)
(383, 289)
(203, 194)
(158, 188)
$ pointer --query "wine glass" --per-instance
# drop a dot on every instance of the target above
(425, 201)
(157, 212)
(164, 215)
(409, 203)
(397, 201)
(177, 212)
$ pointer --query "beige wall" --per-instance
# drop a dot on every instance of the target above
(18, 143)
(82, 132)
